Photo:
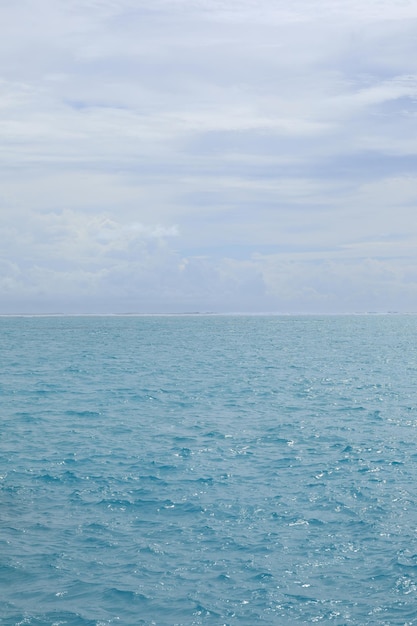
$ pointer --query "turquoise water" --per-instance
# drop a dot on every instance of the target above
(208, 470)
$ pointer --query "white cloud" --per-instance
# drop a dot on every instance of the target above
(207, 154)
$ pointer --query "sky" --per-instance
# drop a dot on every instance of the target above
(208, 155)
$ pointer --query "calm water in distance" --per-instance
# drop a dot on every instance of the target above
(208, 470)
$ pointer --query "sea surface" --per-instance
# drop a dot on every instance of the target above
(213, 470)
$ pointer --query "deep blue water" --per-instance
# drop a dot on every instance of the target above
(208, 470)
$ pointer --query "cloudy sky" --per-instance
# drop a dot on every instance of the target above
(208, 155)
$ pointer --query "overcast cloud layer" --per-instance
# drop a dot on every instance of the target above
(208, 155)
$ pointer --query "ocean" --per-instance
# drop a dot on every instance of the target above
(215, 470)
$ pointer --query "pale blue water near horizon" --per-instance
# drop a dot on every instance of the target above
(208, 470)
